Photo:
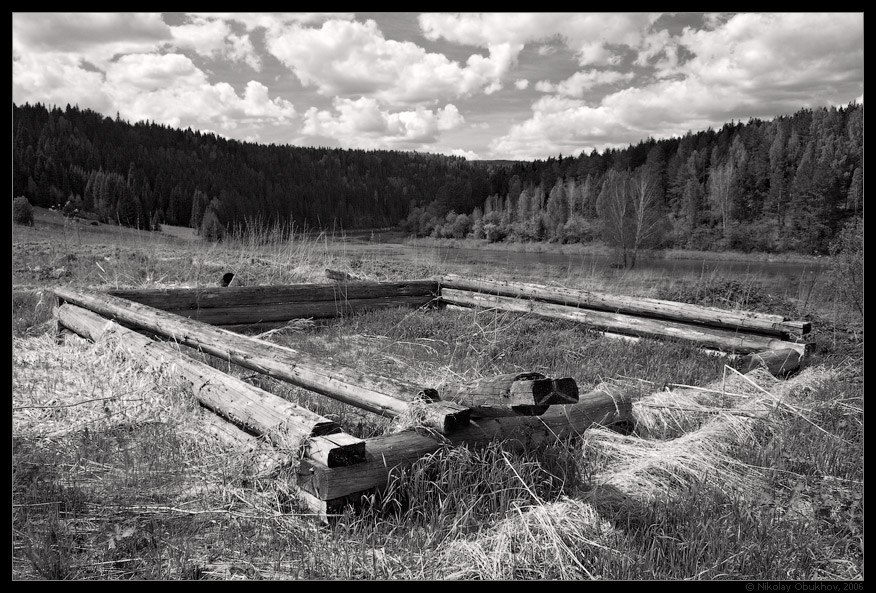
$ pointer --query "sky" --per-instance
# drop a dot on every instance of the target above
(519, 86)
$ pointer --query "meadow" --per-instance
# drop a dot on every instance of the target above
(722, 476)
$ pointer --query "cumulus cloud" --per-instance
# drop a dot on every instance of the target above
(575, 85)
(745, 65)
(213, 38)
(593, 36)
(521, 84)
(94, 37)
(269, 20)
(171, 89)
(55, 79)
(363, 123)
(350, 58)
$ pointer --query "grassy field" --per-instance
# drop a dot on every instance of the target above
(723, 476)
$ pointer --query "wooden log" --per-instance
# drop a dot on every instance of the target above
(720, 339)
(606, 405)
(253, 296)
(656, 308)
(778, 362)
(285, 424)
(512, 394)
(381, 395)
(264, 459)
(279, 312)
(335, 450)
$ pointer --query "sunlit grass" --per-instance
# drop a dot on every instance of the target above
(720, 478)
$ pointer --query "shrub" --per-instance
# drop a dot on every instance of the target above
(22, 211)
(211, 228)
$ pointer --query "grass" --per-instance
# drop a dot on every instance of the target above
(722, 477)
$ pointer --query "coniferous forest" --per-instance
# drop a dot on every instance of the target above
(788, 184)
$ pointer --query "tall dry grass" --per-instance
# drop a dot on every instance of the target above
(722, 477)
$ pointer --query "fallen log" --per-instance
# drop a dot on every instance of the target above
(289, 427)
(778, 362)
(712, 316)
(263, 458)
(513, 394)
(384, 396)
(605, 406)
(726, 340)
(258, 296)
(281, 312)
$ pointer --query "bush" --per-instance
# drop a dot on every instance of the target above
(22, 211)
(211, 228)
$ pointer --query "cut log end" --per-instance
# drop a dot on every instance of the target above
(545, 392)
(336, 450)
(446, 417)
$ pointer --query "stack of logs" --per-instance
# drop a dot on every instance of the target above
(758, 338)
(522, 408)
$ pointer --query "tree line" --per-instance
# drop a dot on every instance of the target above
(788, 184)
(145, 174)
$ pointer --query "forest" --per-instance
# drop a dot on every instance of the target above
(787, 184)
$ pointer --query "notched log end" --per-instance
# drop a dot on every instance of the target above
(546, 392)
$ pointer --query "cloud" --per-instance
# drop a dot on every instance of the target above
(270, 20)
(747, 65)
(348, 58)
(521, 84)
(594, 37)
(575, 85)
(362, 123)
(213, 38)
(94, 37)
(170, 89)
(55, 79)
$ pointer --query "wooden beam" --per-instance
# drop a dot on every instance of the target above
(280, 312)
(512, 394)
(721, 339)
(606, 405)
(655, 308)
(384, 396)
(778, 362)
(289, 427)
(209, 297)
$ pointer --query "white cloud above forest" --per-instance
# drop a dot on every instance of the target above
(349, 58)
(594, 37)
(364, 123)
(93, 37)
(747, 65)
(578, 83)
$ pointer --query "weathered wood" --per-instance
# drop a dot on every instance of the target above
(335, 450)
(252, 296)
(381, 395)
(264, 459)
(778, 362)
(287, 425)
(720, 339)
(606, 405)
(274, 312)
(656, 308)
(512, 394)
